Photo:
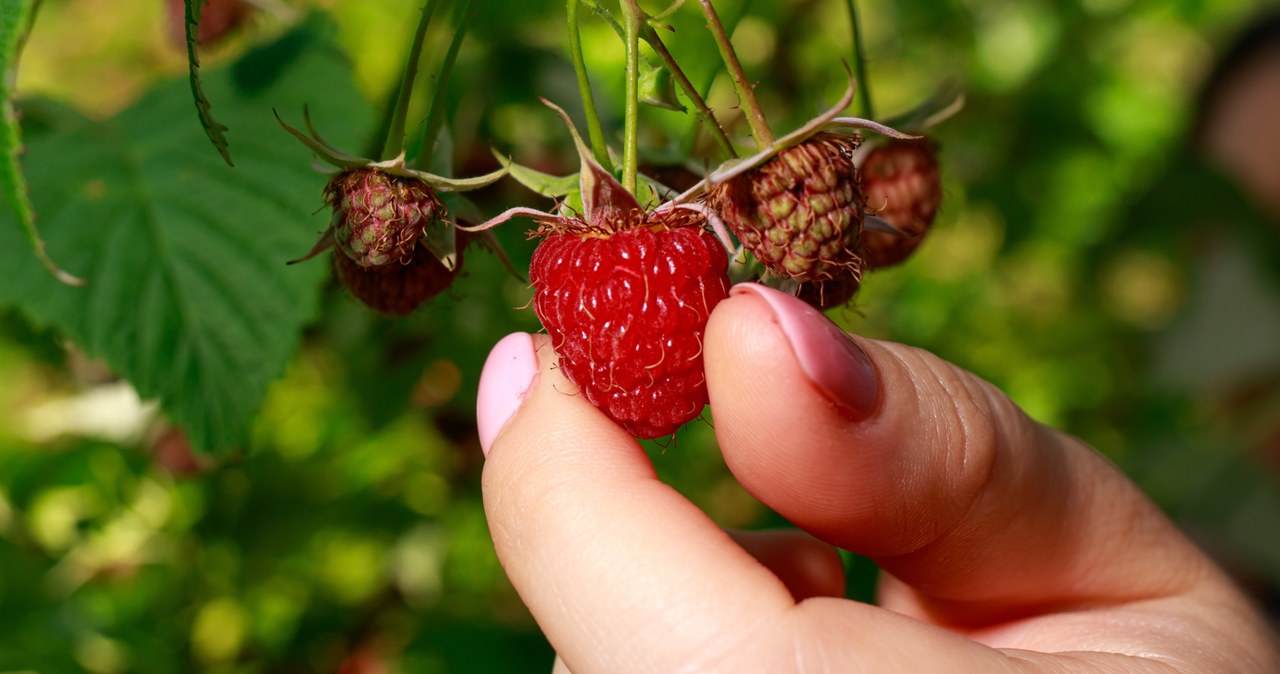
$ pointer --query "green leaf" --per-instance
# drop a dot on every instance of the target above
(189, 296)
(441, 241)
(15, 19)
(604, 199)
(652, 189)
(216, 131)
(443, 184)
(657, 88)
(541, 183)
(435, 114)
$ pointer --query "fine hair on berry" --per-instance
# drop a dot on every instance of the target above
(627, 309)
(800, 214)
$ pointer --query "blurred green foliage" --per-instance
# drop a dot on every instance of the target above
(346, 531)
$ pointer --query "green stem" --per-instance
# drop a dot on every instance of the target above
(633, 19)
(26, 30)
(671, 9)
(594, 130)
(393, 144)
(600, 11)
(860, 63)
(704, 111)
(746, 93)
(650, 35)
(435, 114)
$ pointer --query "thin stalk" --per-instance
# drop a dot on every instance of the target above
(393, 144)
(650, 35)
(26, 31)
(435, 113)
(860, 63)
(600, 11)
(705, 89)
(594, 130)
(746, 93)
(704, 111)
(633, 20)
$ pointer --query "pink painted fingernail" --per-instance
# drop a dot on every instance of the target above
(836, 365)
(509, 374)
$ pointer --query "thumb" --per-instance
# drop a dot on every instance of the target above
(891, 452)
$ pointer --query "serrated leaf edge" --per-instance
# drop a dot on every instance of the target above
(215, 130)
(15, 17)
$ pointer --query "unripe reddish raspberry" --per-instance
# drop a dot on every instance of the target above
(904, 188)
(397, 289)
(800, 214)
(218, 18)
(378, 217)
(832, 292)
(383, 215)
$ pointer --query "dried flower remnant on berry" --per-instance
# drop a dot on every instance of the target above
(833, 292)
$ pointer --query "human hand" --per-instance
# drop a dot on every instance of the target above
(1005, 545)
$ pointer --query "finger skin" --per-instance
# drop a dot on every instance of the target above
(980, 514)
(624, 574)
(948, 484)
(595, 544)
(808, 567)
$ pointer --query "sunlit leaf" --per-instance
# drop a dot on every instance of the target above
(542, 183)
(189, 296)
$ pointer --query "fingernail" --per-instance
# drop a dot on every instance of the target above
(836, 365)
(508, 376)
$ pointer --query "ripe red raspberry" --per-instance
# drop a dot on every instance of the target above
(625, 295)
(903, 185)
(626, 310)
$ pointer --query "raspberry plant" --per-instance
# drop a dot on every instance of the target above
(791, 212)
(187, 294)
(796, 205)
(304, 499)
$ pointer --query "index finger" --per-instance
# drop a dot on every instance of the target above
(624, 574)
(596, 545)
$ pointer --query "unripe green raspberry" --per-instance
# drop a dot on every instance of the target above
(378, 217)
(800, 214)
